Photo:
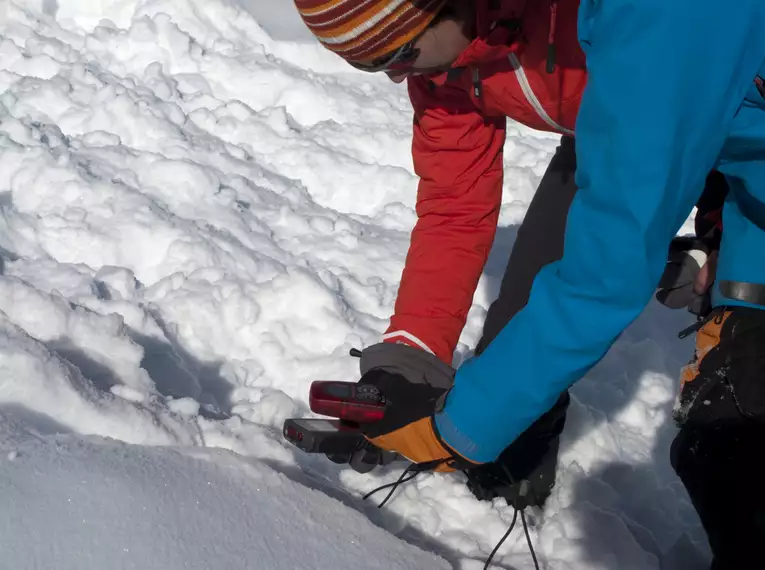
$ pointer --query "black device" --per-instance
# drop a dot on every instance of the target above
(342, 442)
(348, 404)
(318, 435)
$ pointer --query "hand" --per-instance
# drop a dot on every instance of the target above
(688, 275)
(707, 274)
(408, 428)
(412, 381)
(424, 379)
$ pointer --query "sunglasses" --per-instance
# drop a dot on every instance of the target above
(399, 60)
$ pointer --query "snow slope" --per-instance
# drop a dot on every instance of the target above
(201, 211)
(92, 504)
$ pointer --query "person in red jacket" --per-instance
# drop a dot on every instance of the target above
(470, 65)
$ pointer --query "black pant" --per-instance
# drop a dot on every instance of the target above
(718, 451)
(538, 243)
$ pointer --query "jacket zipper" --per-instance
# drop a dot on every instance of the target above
(523, 81)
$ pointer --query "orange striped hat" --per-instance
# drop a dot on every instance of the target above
(362, 31)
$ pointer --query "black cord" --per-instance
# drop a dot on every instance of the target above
(416, 468)
(512, 526)
(501, 541)
(401, 480)
(528, 540)
(412, 471)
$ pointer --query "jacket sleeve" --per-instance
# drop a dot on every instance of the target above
(457, 154)
(665, 82)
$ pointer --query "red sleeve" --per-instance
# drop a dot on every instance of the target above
(457, 154)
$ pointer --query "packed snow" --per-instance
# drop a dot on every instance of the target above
(202, 212)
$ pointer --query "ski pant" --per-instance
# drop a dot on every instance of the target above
(538, 243)
(721, 412)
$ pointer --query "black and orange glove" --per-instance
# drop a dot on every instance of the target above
(408, 428)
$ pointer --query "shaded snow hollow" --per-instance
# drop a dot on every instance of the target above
(202, 211)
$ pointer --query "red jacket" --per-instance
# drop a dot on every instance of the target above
(459, 132)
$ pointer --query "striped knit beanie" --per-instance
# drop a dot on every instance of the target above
(362, 31)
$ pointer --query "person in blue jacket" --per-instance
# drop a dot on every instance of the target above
(675, 90)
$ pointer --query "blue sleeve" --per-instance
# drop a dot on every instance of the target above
(665, 81)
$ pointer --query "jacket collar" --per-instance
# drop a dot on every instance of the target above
(497, 31)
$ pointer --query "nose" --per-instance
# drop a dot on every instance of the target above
(397, 76)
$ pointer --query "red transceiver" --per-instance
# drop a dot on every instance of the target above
(347, 401)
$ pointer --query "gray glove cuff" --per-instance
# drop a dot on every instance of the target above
(414, 364)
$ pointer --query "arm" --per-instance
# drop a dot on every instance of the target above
(665, 81)
(708, 223)
(458, 156)
(691, 262)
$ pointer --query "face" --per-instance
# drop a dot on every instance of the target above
(438, 46)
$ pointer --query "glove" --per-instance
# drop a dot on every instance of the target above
(687, 255)
(414, 384)
(408, 428)
(365, 459)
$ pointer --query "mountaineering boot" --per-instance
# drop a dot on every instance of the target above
(530, 486)
(524, 474)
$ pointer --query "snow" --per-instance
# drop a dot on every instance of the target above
(223, 512)
(202, 211)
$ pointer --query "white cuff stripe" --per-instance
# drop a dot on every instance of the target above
(410, 337)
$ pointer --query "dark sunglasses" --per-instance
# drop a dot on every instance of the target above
(398, 60)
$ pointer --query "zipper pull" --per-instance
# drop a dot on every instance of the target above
(551, 51)
(476, 83)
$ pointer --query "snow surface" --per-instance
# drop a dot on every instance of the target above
(110, 505)
(202, 211)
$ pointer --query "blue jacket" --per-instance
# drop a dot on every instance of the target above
(670, 96)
